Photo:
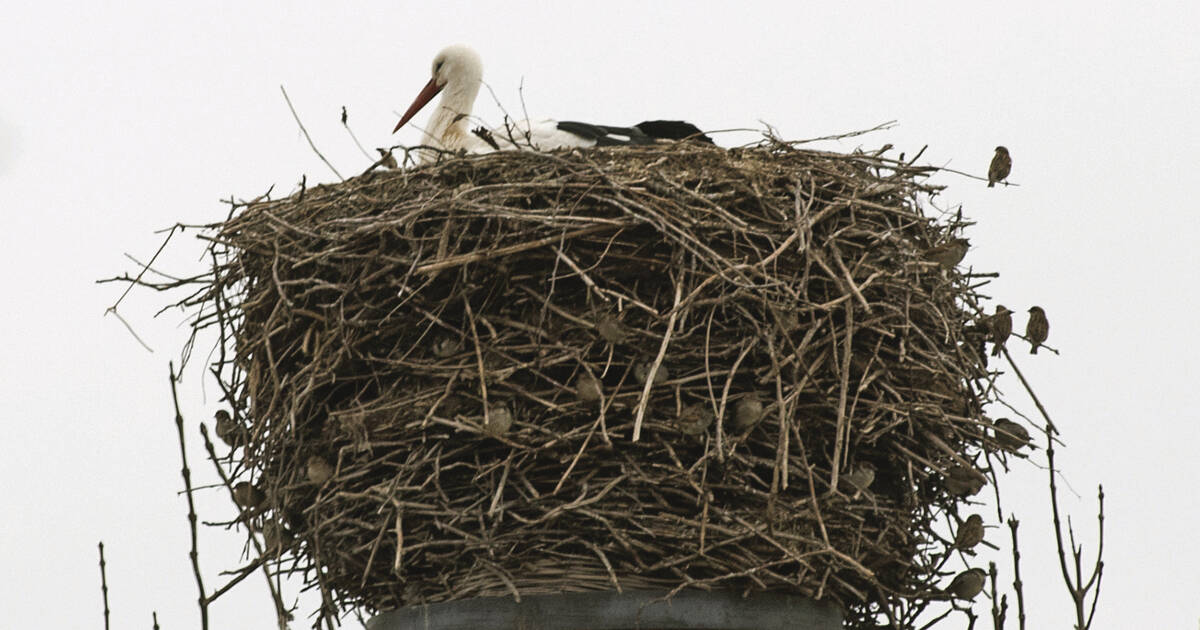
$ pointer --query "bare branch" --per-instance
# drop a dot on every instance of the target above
(194, 554)
(308, 137)
(104, 585)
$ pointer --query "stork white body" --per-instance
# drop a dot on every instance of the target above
(457, 75)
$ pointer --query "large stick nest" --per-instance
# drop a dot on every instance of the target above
(671, 366)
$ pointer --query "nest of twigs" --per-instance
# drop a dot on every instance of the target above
(669, 366)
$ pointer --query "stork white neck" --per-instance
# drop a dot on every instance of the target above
(457, 75)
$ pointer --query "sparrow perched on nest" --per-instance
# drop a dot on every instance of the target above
(694, 419)
(860, 478)
(970, 533)
(1000, 168)
(747, 412)
(949, 253)
(587, 387)
(386, 159)
(318, 470)
(968, 584)
(499, 420)
(446, 347)
(229, 430)
(642, 370)
(1010, 435)
(1037, 329)
(1000, 326)
(961, 481)
(276, 537)
(248, 496)
(611, 329)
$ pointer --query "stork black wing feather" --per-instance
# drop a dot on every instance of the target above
(604, 135)
(673, 130)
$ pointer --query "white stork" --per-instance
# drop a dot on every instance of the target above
(458, 75)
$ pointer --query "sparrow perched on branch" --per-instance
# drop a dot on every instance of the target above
(970, 533)
(1037, 329)
(1000, 325)
(968, 584)
(1000, 168)
(948, 254)
(1010, 435)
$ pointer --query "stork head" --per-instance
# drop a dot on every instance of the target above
(456, 68)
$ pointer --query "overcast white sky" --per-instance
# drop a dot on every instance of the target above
(116, 122)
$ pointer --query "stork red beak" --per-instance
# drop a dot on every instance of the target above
(430, 90)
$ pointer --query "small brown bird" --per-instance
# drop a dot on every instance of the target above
(229, 430)
(500, 419)
(694, 419)
(610, 329)
(963, 482)
(1037, 329)
(276, 537)
(948, 254)
(318, 470)
(1000, 168)
(386, 158)
(860, 478)
(248, 496)
(446, 347)
(970, 533)
(1000, 326)
(642, 370)
(747, 412)
(587, 387)
(968, 584)
(1010, 435)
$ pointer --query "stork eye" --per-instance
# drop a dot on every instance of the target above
(438, 67)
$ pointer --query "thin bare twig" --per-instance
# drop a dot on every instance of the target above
(194, 554)
(346, 124)
(306, 136)
(1018, 585)
(104, 585)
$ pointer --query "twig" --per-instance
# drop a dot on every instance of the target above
(194, 554)
(1018, 586)
(346, 124)
(462, 259)
(662, 351)
(308, 137)
(1025, 384)
(841, 136)
(1077, 586)
(104, 585)
(112, 310)
(843, 429)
